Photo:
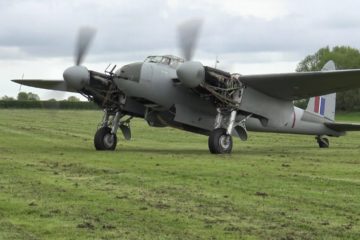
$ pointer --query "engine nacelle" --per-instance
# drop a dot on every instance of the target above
(191, 74)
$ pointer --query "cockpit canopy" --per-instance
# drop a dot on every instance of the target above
(169, 60)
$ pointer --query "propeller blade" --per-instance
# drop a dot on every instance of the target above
(188, 33)
(85, 37)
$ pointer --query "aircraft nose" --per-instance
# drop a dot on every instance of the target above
(130, 72)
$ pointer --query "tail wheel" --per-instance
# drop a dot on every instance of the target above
(323, 142)
(220, 142)
(104, 140)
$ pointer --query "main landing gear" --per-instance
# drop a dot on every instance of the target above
(220, 139)
(323, 142)
(105, 137)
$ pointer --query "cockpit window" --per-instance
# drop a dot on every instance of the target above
(154, 59)
(175, 62)
(169, 60)
(165, 60)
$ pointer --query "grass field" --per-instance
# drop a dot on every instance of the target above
(165, 185)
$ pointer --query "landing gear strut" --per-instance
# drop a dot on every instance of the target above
(105, 137)
(323, 142)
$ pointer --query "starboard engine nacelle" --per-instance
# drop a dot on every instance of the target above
(191, 74)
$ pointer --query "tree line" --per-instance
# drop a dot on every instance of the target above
(29, 100)
(29, 96)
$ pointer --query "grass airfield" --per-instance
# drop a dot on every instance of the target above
(165, 185)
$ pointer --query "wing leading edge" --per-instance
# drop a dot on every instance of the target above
(58, 85)
(294, 86)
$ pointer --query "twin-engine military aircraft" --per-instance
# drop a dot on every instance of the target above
(185, 94)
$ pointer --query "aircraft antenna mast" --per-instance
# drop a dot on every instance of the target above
(216, 61)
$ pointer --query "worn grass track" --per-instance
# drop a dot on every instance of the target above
(165, 185)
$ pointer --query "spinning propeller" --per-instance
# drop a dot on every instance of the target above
(190, 73)
(188, 33)
(78, 76)
(85, 37)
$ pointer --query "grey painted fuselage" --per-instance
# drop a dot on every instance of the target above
(155, 88)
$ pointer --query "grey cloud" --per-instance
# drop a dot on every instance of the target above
(48, 28)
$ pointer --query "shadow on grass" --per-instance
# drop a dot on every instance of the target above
(238, 152)
(205, 152)
(183, 151)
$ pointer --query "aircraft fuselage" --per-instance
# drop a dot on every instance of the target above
(174, 105)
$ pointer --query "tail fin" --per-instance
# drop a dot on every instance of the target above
(324, 105)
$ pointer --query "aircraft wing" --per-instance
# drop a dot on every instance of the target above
(58, 85)
(343, 127)
(294, 86)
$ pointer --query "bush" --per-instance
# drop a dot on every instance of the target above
(48, 105)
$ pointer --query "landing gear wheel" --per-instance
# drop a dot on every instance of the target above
(323, 142)
(220, 142)
(104, 140)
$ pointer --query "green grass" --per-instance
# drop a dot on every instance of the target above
(165, 185)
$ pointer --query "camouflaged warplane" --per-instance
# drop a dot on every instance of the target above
(185, 94)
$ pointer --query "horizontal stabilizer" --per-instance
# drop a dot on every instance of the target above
(343, 127)
(58, 85)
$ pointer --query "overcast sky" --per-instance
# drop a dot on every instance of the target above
(37, 37)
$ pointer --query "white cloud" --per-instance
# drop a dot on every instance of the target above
(256, 8)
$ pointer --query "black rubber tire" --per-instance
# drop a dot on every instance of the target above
(216, 144)
(102, 141)
(324, 143)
